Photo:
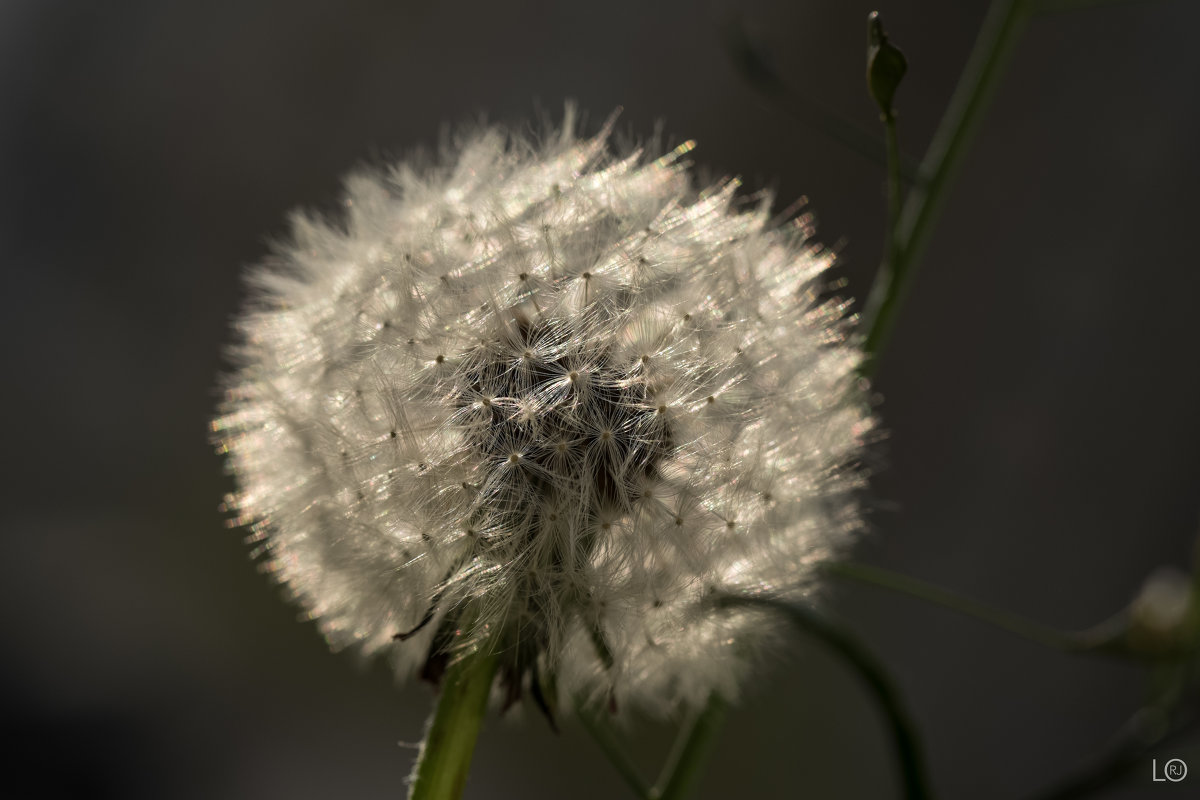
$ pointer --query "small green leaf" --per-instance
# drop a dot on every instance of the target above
(886, 66)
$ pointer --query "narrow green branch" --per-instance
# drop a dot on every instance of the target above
(690, 752)
(893, 186)
(1146, 732)
(1042, 634)
(891, 243)
(872, 673)
(445, 758)
(610, 743)
(1005, 21)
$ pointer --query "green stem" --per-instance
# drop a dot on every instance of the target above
(690, 752)
(1142, 736)
(617, 755)
(870, 671)
(1067, 642)
(891, 235)
(445, 756)
(1006, 19)
(893, 184)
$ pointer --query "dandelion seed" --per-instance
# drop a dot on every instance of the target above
(540, 401)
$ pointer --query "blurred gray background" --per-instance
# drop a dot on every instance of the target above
(1041, 390)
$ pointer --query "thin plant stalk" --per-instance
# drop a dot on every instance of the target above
(690, 752)
(1006, 20)
(886, 579)
(1147, 732)
(445, 758)
(612, 746)
(873, 674)
(892, 247)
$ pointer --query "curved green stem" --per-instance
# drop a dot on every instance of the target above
(1042, 634)
(892, 254)
(893, 182)
(445, 757)
(873, 675)
(1142, 736)
(1005, 21)
(691, 749)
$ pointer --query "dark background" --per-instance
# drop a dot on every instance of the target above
(1040, 392)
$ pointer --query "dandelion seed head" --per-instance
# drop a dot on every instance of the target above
(544, 400)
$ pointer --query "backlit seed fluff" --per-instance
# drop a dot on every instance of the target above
(543, 400)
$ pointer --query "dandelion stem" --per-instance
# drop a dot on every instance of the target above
(892, 254)
(609, 742)
(445, 757)
(1147, 732)
(690, 752)
(1050, 637)
(872, 673)
(1005, 21)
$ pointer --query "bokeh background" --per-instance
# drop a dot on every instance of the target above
(1041, 391)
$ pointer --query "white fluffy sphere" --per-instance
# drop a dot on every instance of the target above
(542, 400)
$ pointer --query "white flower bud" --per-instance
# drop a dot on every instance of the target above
(544, 401)
(1163, 616)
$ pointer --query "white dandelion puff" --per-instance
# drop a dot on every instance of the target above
(543, 401)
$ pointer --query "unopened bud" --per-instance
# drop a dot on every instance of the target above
(886, 66)
(1164, 618)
